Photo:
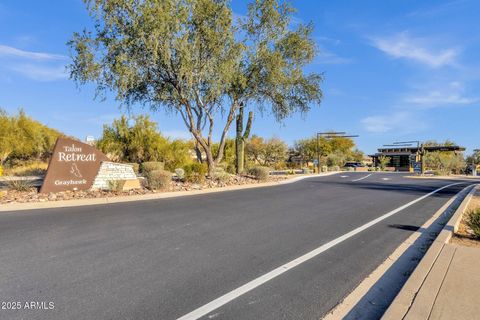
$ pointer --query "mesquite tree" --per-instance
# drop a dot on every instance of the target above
(190, 57)
(271, 69)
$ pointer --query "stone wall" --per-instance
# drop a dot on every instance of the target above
(112, 171)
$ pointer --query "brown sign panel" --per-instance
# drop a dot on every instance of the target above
(73, 166)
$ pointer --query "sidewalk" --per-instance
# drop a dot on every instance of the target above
(446, 283)
(452, 287)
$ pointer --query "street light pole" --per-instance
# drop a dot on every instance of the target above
(329, 135)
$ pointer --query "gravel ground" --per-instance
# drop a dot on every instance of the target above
(12, 196)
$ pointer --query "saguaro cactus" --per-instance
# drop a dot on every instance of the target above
(241, 137)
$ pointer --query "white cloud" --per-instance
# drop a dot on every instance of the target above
(7, 51)
(39, 66)
(403, 122)
(403, 46)
(41, 73)
(333, 41)
(451, 94)
(327, 57)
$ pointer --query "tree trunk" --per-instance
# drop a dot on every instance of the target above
(210, 163)
(198, 152)
(240, 139)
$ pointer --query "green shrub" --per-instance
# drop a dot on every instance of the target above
(148, 166)
(260, 173)
(116, 185)
(19, 185)
(473, 222)
(195, 172)
(159, 179)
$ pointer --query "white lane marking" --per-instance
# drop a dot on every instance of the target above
(343, 176)
(385, 179)
(362, 177)
(226, 298)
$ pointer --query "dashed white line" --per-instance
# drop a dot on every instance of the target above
(226, 298)
(343, 176)
(368, 175)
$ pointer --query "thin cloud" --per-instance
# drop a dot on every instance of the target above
(403, 122)
(38, 66)
(327, 57)
(444, 8)
(41, 73)
(402, 46)
(7, 51)
(452, 94)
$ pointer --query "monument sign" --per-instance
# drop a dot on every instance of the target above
(73, 166)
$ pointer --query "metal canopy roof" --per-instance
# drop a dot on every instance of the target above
(415, 149)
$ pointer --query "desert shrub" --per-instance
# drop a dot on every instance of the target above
(324, 168)
(306, 171)
(260, 173)
(473, 222)
(19, 185)
(22, 138)
(280, 165)
(180, 173)
(148, 166)
(195, 172)
(231, 168)
(221, 175)
(116, 185)
(159, 179)
(1, 170)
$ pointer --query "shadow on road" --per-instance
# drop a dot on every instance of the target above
(375, 302)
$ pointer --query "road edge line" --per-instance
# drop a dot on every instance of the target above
(402, 303)
(239, 291)
(352, 299)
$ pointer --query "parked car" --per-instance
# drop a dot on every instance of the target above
(352, 164)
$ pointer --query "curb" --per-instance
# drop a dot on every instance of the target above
(108, 200)
(402, 303)
(452, 177)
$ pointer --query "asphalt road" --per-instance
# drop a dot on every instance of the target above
(162, 259)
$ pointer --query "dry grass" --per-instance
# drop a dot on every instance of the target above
(19, 185)
(36, 168)
(466, 235)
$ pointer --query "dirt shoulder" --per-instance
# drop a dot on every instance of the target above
(464, 235)
(9, 197)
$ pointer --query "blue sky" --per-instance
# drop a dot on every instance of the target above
(394, 70)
